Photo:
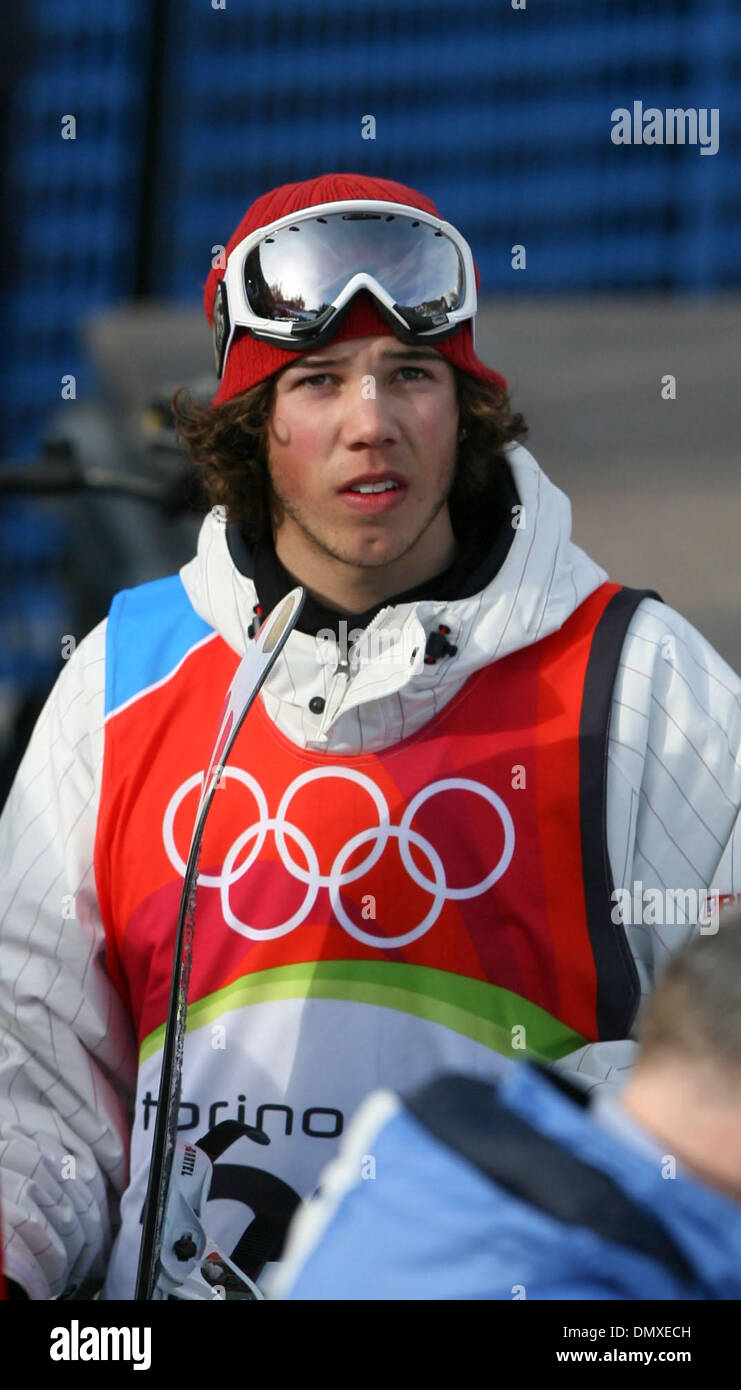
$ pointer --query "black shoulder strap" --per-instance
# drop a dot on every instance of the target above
(618, 988)
(467, 1115)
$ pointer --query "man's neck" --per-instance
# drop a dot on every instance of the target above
(695, 1116)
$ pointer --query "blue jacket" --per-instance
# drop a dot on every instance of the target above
(582, 1215)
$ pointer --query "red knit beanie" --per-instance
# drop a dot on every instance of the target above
(250, 361)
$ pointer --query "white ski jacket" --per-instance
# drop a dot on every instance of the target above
(67, 1049)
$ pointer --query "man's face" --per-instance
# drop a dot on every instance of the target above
(361, 455)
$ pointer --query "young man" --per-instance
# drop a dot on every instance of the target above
(473, 740)
(520, 1190)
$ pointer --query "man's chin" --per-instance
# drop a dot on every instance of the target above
(371, 551)
(375, 559)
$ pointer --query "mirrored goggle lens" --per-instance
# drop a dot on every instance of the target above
(297, 271)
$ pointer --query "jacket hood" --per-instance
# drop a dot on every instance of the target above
(543, 579)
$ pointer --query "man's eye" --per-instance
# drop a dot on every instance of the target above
(417, 372)
(318, 379)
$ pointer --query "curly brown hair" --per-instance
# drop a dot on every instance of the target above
(228, 446)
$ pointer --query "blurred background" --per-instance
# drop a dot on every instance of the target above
(135, 133)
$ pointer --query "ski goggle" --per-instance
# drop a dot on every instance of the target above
(290, 283)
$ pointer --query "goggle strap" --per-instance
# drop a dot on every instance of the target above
(221, 326)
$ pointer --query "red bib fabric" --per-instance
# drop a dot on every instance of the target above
(474, 849)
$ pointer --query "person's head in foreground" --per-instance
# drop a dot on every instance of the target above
(528, 1190)
(686, 1087)
(354, 427)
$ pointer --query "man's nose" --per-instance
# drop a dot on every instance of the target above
(370, 420)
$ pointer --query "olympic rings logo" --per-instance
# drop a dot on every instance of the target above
(377, 837)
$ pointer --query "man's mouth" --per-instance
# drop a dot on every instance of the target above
(365, 484)
(388, 486)
(374, 494)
